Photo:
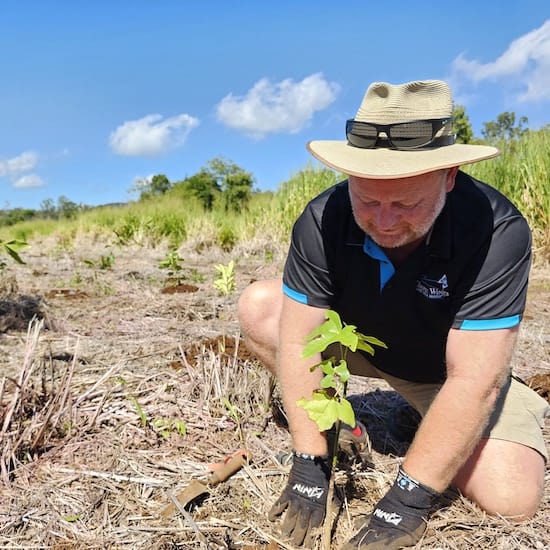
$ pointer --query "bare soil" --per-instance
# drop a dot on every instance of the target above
(118, 387)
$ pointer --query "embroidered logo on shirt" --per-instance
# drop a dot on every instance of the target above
(433, 289)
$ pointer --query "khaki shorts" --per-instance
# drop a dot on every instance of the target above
(518, 415)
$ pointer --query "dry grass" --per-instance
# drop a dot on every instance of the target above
(92, 399)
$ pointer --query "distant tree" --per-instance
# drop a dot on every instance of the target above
(504, 127)
(204, 186)
(141, 187)
(237, 191)
(235, 183)
(67, 208)
(159, 184)
(48, 209)
(461, 125)
(151, 186)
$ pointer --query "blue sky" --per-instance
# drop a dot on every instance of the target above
(98, 94)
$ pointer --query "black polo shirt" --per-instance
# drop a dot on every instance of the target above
(470, 274)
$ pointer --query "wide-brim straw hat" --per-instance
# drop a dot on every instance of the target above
(385, 103)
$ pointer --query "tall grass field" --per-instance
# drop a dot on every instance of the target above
(521, 172)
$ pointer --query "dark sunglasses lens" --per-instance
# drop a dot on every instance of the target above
(411, 134)
(361, 134)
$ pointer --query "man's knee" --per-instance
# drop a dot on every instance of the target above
(503, 478)
(259, 310)
(259, 302)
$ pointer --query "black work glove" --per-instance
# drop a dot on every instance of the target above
(304, 497)
(399, 519)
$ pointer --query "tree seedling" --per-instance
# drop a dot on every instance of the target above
(225, 283)
(172, 263)
(328, 406)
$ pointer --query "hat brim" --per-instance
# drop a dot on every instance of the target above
(382, 163)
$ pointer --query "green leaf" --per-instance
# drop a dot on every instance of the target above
(324, 335)
(11, 248)
(334, 319)
(318, 345)
(342, 371)
(326, 365)
(365, 341)
(139, 410)
(180, 427)
(327, 381)
(16, 244)
(72, 518)
(348, 337)
(366, 347)
(321, 409)
(345, 412)
(325, 410)
(375, 341)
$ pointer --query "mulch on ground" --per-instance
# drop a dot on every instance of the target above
(118, 394)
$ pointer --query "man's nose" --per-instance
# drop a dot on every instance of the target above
(386, 217)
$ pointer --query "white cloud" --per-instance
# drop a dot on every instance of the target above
(526, 61)
(285, 106)
(28, 181)
(151, 135)
(23, 163)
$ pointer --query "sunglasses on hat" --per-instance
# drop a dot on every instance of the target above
(401, 135)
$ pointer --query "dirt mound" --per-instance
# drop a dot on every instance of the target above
(227, 347)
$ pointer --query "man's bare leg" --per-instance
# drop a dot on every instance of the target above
(504, 478)
(259, 312)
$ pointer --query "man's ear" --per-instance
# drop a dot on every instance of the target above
(451, 176)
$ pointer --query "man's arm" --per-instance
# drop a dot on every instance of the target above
(297, 321)
(305, 495)
(478, 363)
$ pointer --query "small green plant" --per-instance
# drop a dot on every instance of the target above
(172, 263)
(328, 406)
(104, 263)
(225, 283)
(161, 426)
(166, 426)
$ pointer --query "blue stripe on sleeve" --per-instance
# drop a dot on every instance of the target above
(294, 294)
(491, 324)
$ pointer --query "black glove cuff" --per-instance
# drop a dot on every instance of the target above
(310, 468)
(309, 457)
(411, 492)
